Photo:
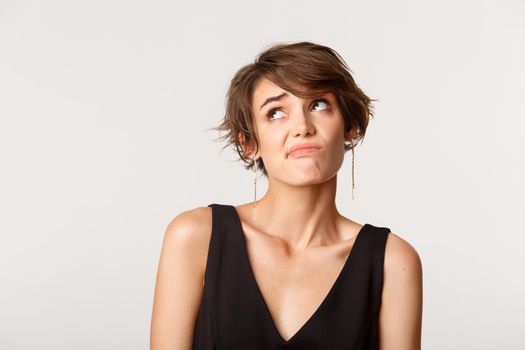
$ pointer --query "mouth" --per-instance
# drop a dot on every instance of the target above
(304, 151)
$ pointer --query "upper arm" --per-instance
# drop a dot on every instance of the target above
(179, 282)
(401, 309)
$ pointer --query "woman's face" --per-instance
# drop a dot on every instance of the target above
(284, 120)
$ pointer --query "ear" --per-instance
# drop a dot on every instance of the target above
(351, 135)
(246, 148)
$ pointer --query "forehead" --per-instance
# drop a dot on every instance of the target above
(264, 89)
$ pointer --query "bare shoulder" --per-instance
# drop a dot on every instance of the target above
(190, 230)
(400, 255)
(180, 279)
(190, 223)
(401, 310)
(402, 265)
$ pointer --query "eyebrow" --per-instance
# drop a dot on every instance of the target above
(274, 98)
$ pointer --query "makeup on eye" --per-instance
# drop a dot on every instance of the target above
(270, 113)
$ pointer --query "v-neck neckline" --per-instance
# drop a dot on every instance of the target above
(261, 297)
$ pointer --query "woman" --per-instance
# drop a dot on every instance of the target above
(288, 271)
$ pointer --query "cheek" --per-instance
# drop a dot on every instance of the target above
(333, 130)
(337, 130)
(272, 140)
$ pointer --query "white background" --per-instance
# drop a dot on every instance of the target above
(105, 110)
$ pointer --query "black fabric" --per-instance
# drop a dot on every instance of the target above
(233, 314)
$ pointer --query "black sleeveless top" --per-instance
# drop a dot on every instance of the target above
(233, 314)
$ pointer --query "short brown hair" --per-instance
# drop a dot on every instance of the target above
(306, 70)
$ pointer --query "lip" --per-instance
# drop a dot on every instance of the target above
(304, 148)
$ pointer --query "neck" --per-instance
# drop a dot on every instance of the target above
(303, 216)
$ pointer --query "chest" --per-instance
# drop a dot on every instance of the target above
(293, 288)
(258, 296)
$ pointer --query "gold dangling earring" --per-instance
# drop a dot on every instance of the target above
(353, 158)
(254, 187)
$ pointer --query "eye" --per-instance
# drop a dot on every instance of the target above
(321, 102)
(270, 113)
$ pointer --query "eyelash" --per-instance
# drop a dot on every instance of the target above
(271, 111)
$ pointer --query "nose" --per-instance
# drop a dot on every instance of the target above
(303, 124)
